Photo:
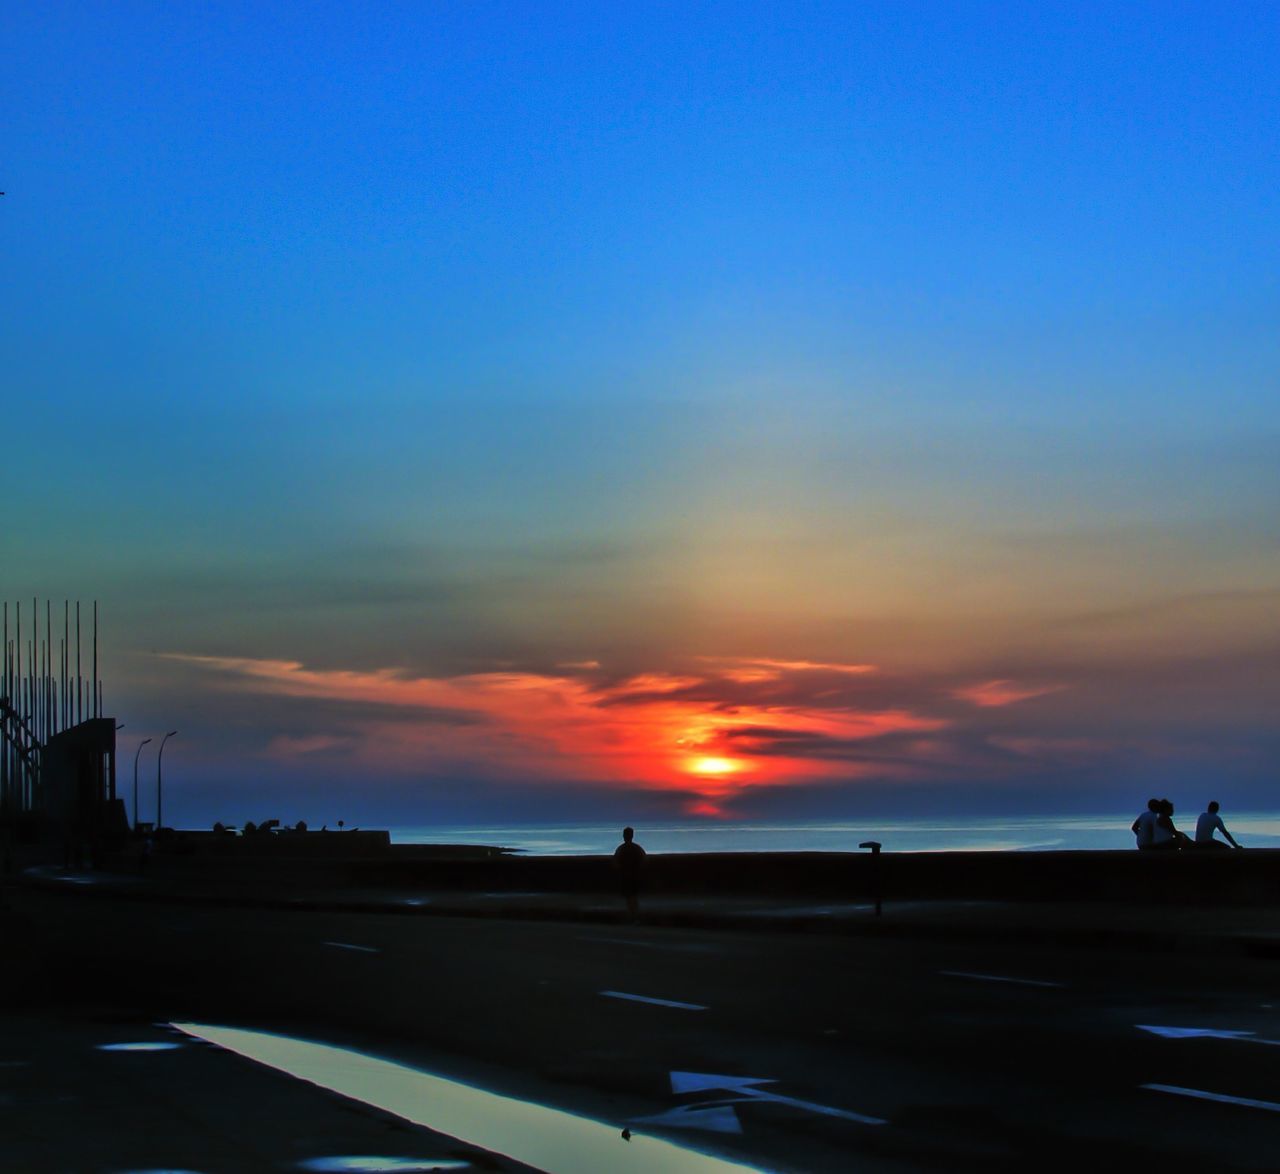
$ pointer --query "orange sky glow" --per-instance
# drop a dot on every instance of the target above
(686, 731)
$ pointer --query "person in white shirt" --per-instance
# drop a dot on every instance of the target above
(1205, 826)
(1144, 827)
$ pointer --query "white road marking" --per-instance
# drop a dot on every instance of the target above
(349, 946)
(744, 1086)
(656, 1002)
(677, 947)
(1000, 978)
(1218, 1097)
(533, 1135)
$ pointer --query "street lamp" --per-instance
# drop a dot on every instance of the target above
(159, 794)
(135, 781)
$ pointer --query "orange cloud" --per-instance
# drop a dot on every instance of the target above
(750, 670)
(654, 728)
(992, 694)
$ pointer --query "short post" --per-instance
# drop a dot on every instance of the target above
(874, 845)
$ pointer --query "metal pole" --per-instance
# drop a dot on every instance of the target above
(50, 708)
(135, 781)
(35, 666)
(5, 752)
(159, 793)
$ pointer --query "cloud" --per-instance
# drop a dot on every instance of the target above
(285, 746)
(752, 670)
(998, 693)
(655, 728)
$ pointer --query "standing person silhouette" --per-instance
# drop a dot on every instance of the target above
(628, 862)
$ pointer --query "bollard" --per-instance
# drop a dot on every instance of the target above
(874, 845)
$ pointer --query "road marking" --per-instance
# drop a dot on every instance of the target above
(1219, 1097)
(677, 947)
(1243, 1037)
(712, 1118)
(349, 946)
(744, 1086)
(141, 1046)
(533, 1135)
(1000, 978)
(656, 1002)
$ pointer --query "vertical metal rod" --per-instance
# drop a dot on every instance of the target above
(51, 709)
(16, 701)
(4, 685)
(66, 664)
(4, 742)
(79, 690)
(29, 711)
(34, 716)
(96, 711)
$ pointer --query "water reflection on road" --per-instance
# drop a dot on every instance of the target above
(545, 1138)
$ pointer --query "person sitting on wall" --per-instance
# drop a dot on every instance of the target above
(1209, 821)
(1166, 837)
(1144, 826)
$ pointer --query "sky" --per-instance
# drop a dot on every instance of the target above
(467, 413)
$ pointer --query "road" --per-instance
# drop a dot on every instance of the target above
(826, 1052)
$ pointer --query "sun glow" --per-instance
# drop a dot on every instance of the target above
(715, 766)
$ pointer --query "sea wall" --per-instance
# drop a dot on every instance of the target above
(1227, 877)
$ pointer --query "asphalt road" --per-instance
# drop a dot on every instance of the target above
(827, 1052)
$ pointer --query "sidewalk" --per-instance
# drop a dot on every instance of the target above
(1238, 930)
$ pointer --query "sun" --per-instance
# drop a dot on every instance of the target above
(715, 766)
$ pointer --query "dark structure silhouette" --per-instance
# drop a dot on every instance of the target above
(57, 747)
(628, 862)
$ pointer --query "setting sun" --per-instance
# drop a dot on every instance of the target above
(715, 766)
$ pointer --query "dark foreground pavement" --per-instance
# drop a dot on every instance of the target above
(1231, 929)
(781, 1034)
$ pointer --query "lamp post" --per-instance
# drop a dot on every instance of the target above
(135, 781)
(159, 793)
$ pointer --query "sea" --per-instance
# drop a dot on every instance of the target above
(1040, 833)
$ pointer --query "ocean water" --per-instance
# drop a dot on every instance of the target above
(977, 834)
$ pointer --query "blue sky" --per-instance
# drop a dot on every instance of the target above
(446, 340)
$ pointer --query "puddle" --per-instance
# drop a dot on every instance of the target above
(548, 1139)
(140, 1046)
(364, 1164)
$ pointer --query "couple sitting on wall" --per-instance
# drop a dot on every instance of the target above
(1155, 831)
